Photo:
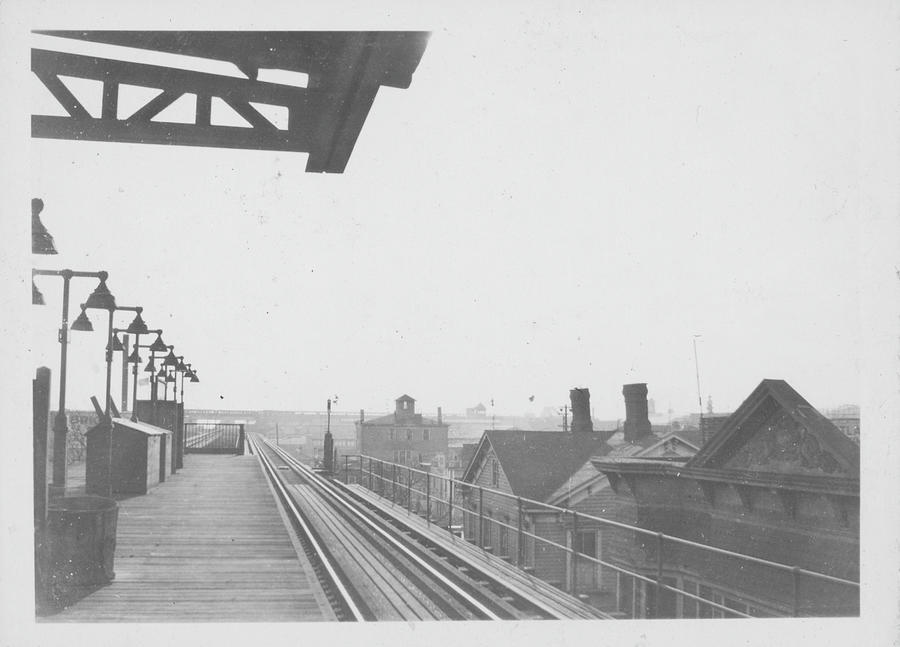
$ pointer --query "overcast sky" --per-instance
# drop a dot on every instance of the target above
(561, 198)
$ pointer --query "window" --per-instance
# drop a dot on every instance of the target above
(392, 433)
(504, 542)
(689, 605)
(424, 434)
(585, 543)
(495, 473)
(409, 434)
(705, 610)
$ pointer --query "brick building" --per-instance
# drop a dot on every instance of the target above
(404, 437)
(779, 482)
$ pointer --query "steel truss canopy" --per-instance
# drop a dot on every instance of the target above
(344, 70)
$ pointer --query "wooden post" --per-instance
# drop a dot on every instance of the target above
(347, 470)
(393, 483)
(41, 414)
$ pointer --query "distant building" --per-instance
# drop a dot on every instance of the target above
(478, 411)
(779, 482)
(403, 437)
(849, 426)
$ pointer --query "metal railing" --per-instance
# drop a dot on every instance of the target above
(213, 438)
(658, 583)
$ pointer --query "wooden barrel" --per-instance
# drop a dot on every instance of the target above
(81, 533)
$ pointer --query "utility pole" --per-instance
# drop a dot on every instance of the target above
(699, 397)
(276, 435)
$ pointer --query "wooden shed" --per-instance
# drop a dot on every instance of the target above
(137, 462)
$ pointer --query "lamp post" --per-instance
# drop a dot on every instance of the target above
(191, 374)
(179, 420)
(157, 346)
(60, 422)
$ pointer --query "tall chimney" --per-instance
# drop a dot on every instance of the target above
(581, 410)
(637, 422)
(440, 419)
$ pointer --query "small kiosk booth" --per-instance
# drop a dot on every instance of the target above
(139, 459)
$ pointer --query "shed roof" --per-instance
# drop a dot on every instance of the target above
(143, 427)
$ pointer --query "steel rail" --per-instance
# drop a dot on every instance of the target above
(320, 552)
(350, 507)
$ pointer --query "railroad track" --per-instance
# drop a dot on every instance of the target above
(202, 439)
(373, 567)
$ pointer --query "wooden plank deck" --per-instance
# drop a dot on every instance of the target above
(208, 545)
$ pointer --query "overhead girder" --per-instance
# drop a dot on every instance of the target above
(345, 70)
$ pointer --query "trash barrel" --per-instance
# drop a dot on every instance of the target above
(81, 534)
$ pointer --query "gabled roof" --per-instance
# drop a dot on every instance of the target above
(587, 476)
(775, 430)
(536, 463)
(405, 397)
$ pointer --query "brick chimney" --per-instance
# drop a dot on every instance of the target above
(581, 410)
(440, 418)
(637, 422)
(362, 415)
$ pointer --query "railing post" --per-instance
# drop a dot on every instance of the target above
(427, 497)
(370, 475)
(520, 539)
(241, 440)
(360, 464)
(408, 489)
(574, 554)
(393, 483)
(450, 505)
(347, 470)
(659, 571)
(480, 517)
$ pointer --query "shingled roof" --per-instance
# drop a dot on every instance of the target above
(536, 463)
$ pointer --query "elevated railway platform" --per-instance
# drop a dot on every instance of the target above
(208, 545)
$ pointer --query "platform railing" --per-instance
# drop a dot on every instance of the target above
(660, 586)
(213, 438)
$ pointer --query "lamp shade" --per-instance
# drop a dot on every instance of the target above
(194, 377)
(181, 367)
(116, 344)
(150, 367)
(134, 358)
(170, 359)
(137, 327)
(161, 373)
(82, 323)
(159, 346)
(101, 298)
(170, 377)
(37, 298)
